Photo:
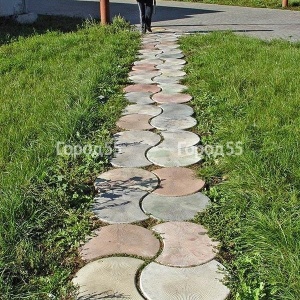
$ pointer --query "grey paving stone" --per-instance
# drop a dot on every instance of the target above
(171, 98)
(174, 61)
(131, 157)
(141, 79)
(120, 239)
(139, 97)
(172, 73)
(170, 55)
(135, 138)
(167, 80)
(203, 282)
(166, 46)
(180, 208)
(108, 278)
(168, 88)
(144, 67)
(124, 179)
(135, 122)
(152, 51)
(155, 61)
(175, 110)
(146, 72)
(168, 157)
(118, 206)
(194, 247)
(177, 182)
(167, 66)
(162, 123)
(142, 109)
(179, 139)
(167, 50)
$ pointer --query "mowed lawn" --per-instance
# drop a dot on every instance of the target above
(247, 90)
(62, 85)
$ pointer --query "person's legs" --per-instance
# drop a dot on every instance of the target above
(141, 4)
(148, 14)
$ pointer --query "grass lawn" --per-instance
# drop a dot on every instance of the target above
(293, 4)
(59, 82)
(246, 90)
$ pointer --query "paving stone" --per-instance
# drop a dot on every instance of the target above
(119, 206)
(168, 157)
(169, 45)
(124, 179)
(141, 79)
(147, 56)
(203, 282)
(166, 66)
(172, 73)
(131, 157)
(155, 61)
(168, 88)
(177, 182)
(139, 97)
(120, 239)
(178, 139)
(149, 46)
(151, 110)
(194, 247)
(163, 123)
(168, 50)
(174, 61)
(146, 88)
(149, 74)
(170, 55)
(180, 208)
(135, 138)
(135, 122)
(109, 278)
(152, 51)
(171, 110)
(166, 80)
(171, 98)
(144, 67)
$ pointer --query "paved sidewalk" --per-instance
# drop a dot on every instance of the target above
(262, 23)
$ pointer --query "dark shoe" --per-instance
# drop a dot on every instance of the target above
(149, 28)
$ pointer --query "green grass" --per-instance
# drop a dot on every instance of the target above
(58, 83)
(248, 90)
(293, 4)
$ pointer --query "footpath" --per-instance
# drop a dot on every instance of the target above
(150, 248)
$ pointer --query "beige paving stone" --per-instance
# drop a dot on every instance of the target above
(108, 278)
(120, 239)
(194, 247)
(173, 123)
(177, 182)
(144, 67)
(203, 282)
(135, 122)
(135, 137)
(171, 98)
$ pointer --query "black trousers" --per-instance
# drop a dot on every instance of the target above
(146, 11)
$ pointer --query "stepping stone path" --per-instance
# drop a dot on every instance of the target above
(176, 257)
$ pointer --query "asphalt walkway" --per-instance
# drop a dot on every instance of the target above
(187, 17)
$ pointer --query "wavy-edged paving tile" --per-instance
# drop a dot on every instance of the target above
(144, 67)
(120, 239)
(164, 66)
(174, 157)
(136, 137)
(174, 123)
(141, 79)
(194, 247)
(108, 278)
(179, 139)
(166, 46)
(149, 74)
(142, 109)
(146, 88)
(177, 182)
(124, 179)
(170, 55)
(166, 79)
(152, 51)
(117, 206)
(135, 122)
(171, 98)
(174, 110)
(203, 282)
(139, 97)
(131, 157)
(174, 61)
(168, 88)
(180, 208)
(167, 50)
(155, 61)
(172, 73)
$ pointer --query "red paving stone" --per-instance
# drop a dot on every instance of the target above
(171, 98)
(194, 247)
(152, 88)
(120, 239)
(177, 181)
(135, 122)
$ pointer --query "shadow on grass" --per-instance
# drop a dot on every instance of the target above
(10, 30)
